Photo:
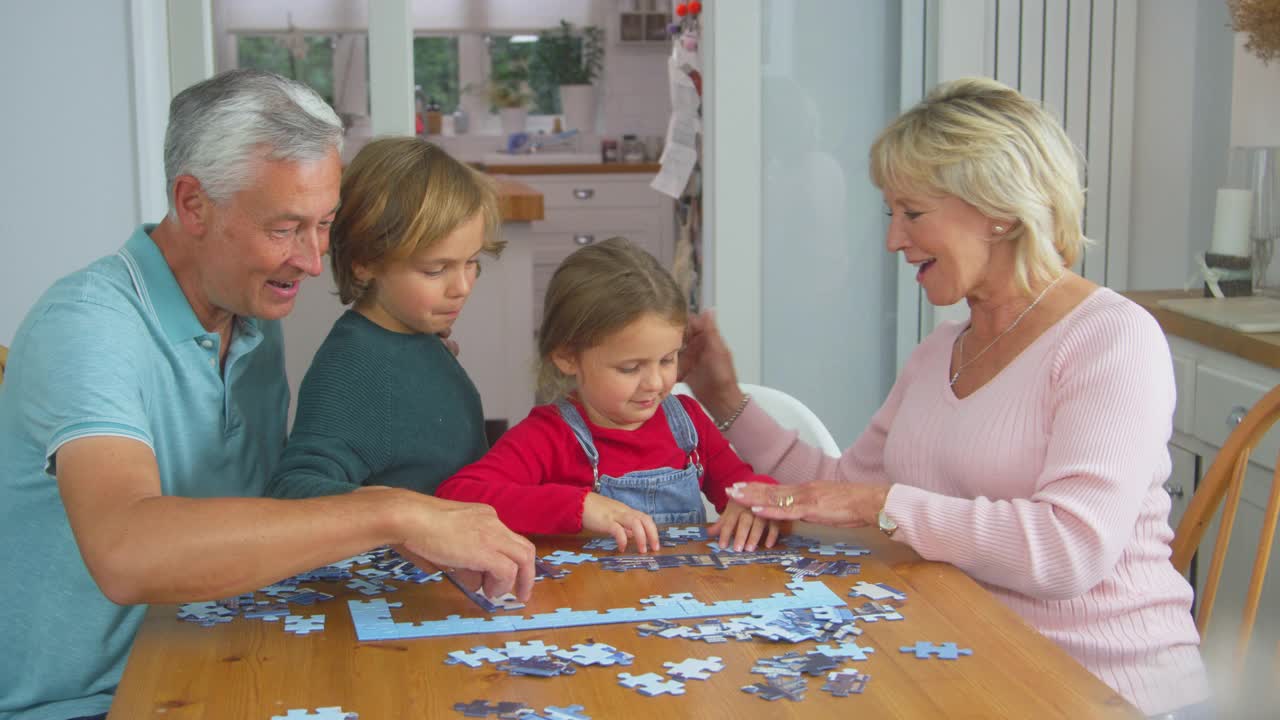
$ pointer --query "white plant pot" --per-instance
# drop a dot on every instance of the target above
(578, 102)
(513, 119)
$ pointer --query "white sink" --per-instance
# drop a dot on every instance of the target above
(541, 158)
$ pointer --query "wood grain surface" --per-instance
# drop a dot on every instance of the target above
(253, 669)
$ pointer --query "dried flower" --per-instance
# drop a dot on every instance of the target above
(1260, 20)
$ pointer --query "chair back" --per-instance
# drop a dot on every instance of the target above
(1225, 480)
(793, 415)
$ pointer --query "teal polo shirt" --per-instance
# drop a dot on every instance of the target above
(114, 349)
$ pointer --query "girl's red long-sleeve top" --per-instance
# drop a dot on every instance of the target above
(537, 476)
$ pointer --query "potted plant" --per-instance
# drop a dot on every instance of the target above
(571, 58)
(507, 89)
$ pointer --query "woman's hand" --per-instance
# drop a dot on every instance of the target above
(839, 504)
(608, 516)
(744, 528)
(706, 365)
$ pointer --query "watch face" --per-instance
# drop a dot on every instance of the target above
(886, 522)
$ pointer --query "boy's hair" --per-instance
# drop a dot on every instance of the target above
(597, 291)
(399, 195)
(1004, 154)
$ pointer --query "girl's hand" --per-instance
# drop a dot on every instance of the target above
(838, 504)
(608, 516)
(744, 527)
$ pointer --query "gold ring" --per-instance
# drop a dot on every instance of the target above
(786, 502)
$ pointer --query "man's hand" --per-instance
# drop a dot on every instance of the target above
(606, 515)
(469, 536)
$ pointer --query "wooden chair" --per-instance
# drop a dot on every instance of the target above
(1225, 478)
(4, 359)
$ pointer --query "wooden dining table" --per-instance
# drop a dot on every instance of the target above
(254, 670)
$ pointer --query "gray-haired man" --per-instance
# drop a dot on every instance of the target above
(145, 404)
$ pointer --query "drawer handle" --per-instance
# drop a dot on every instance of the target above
(583, 239)
(1236, 416)
(1174, 490)
(584, 193)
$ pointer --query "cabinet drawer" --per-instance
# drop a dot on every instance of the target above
(550, 248)
(1220, 400)
(592, 191)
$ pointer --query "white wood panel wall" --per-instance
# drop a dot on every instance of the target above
(1075, 56)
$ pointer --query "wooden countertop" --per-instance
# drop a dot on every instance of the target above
(1261, 348)
(519, 202)
(253, 669)
(583, 169)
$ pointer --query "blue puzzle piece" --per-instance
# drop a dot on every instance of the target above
(561, 557)
(651, 684)
(945, 651)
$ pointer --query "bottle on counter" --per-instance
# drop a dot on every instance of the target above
(608, 150)
(419, 110)
(632, 149)
(435, 118)
(461, 121)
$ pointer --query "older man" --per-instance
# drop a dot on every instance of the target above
(145, 403)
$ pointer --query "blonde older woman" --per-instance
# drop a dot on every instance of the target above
(1025, 446)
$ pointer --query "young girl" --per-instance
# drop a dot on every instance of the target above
(385, 402)
(616, 453)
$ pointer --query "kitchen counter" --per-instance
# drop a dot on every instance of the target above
(1261, 348)
(569, 169)
(519, 202)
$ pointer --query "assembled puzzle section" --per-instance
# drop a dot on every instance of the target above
(372, 618)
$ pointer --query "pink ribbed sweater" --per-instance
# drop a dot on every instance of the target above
(1045, 485)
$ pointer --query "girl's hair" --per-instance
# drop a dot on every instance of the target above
(400, 195)
(988, 145)
(597, 291)
(220, 127)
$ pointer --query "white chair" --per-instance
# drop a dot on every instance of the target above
(789, 412)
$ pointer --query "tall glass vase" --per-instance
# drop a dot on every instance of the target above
(1257, 169)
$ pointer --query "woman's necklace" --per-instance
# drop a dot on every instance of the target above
(1012, 325)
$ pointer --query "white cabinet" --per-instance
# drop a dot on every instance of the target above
(584, 209)
(1215, 389)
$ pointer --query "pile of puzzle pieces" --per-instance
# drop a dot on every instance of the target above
(539, 659)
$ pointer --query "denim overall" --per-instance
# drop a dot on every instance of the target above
(666, 494)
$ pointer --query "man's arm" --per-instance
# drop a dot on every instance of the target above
(144, 547)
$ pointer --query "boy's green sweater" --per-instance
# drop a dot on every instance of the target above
(380, 408)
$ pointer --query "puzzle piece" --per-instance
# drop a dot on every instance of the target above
(693, 668)
(561, 557)
(483, 708)
(547, 570)
(650, 684)
(775, 688)
(601, 543)
(842, 683)
(537, 666)
(324, 713)
(522, 651)
(571, 712)
(871, 612)
(370, 587)
(486, 603)
(478, 656)
(303, 625)
(945, 651)
(594, 653)
(846, 650)
(876, 591)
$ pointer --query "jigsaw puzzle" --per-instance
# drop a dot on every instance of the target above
(651, 684)
(843, 683)
(946, 651)
(324, 713)
(372, 618)
(694, 668)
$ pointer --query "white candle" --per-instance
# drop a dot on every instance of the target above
(1231, 222)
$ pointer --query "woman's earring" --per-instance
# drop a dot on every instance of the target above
(999, 229)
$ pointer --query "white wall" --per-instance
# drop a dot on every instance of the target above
(1182, 115)
(68, 179)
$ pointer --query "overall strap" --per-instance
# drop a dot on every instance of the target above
(580, 431)
(681, 424)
